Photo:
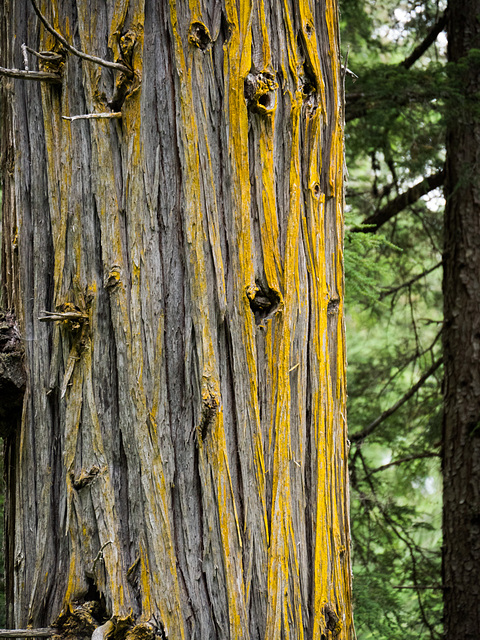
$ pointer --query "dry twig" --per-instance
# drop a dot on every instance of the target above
(76, 52)
(94, 116)
(30, 75)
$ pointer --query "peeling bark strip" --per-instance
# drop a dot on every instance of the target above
(180, 470)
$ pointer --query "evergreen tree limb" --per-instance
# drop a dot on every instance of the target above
(357, 103)
(361, 435)
(430, 38)
(402, 201)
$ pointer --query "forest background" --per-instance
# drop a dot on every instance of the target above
(396, 116)
(395, 151)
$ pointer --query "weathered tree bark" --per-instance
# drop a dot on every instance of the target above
(181, 459)
(461, 335)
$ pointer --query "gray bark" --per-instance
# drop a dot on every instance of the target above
(461, 334)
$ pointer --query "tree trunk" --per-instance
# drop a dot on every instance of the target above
(176, 275)
(461, 335)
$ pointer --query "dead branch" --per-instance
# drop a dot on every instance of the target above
(418, 456)
(76, 52)
(94, 116)
(402, 201)
(28, 633)
(418, 586)
(359, 104)
(429, 39)
(48, 56)
(361, 435)
(412, 358)
(399, 531)
(419, 276)
(31, 75)
(62, 316)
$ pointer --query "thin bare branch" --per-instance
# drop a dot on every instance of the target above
(361, 435)
(76, 52)
(418, 456)
(28, 633)
(60, 316)
(412, 358)
(48, 56)
(419, 276)
(359, 104)
(31, 75)
(94, 116)
(419, 586)
(400, 532)
(402, 201)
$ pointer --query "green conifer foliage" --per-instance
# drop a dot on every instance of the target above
(395, 135)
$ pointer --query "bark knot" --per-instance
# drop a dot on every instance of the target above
(53, 60)
(260, 91)
(263, 301)
(333, 306)
(199, 36)
(332, 620)
(113, 277)
(309, 88)
(210, 405)
(85, 477)
(127, 44)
